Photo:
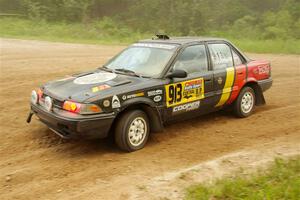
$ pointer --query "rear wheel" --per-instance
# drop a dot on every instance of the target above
(132, 130)
(245, 103)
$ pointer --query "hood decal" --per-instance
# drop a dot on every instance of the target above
(94, 78)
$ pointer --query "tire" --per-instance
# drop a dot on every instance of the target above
(132, 131)
(245, 103)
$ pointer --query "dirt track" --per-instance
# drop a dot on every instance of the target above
(36, 164)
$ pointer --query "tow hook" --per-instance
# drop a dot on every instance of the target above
(29, 117)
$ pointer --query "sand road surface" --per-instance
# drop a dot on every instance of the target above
(37, 164)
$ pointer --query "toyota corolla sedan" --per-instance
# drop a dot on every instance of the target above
(149, 84)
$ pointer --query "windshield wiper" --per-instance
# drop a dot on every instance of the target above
(118, 69)
(125, 70)
(104, 68)
(128, 71)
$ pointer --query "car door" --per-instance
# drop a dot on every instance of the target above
(191, 95)
(223, 72)
(240, 75)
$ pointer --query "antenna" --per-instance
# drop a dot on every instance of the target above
(162, 37)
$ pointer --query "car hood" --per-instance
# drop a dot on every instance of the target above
(91, 86)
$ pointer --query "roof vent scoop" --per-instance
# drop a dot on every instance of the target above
(162, 37)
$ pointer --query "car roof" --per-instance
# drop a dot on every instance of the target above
(189, 40)
(182, 40)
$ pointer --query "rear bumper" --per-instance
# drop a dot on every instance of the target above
(92, 126)
(265, 84)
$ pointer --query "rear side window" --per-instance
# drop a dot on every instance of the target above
(192, 59)
(236, 58)
(221, 56)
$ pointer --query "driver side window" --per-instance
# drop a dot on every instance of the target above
(192, 59)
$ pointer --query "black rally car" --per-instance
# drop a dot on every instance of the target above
(148, 84)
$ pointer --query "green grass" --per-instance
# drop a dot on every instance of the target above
(268, 46)
(108, 32)
(280, 181)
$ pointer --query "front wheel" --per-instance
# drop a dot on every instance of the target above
(245, 103)
(132, 131)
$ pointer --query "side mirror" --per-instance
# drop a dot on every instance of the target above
(177, 73)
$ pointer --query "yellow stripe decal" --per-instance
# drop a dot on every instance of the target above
(227, 87)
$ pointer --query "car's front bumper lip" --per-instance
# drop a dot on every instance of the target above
(90, 126)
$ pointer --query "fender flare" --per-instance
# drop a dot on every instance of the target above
(260, 99)
(149, 107)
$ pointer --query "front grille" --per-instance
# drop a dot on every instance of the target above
(57, 103)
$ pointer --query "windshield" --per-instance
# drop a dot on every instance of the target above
(143, 59)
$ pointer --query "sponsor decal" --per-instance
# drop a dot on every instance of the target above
(154, 93)
(157, 98)
(263, 69)
(94, 78)
(130, 96)
(106, 103)
(184, 92)
(115, 102)
(186, 107)
(220, 80)
(100, 87)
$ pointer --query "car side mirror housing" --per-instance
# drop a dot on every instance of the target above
(177, 73)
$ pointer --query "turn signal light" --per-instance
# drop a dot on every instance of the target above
(40, 95)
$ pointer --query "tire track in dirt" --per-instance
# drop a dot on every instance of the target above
(171, 185)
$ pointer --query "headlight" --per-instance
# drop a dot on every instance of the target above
(34, 97)
(81, 108)
(48, 103)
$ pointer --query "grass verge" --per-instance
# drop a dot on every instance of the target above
(280, 181)
(107, 32)
(268, 46)
(98, 32)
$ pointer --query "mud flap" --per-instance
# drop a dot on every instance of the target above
(260, 99)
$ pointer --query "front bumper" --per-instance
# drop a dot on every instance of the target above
(70, 125)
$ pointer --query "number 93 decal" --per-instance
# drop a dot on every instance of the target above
(184, 92)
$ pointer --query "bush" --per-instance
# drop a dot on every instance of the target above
(256, 19)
